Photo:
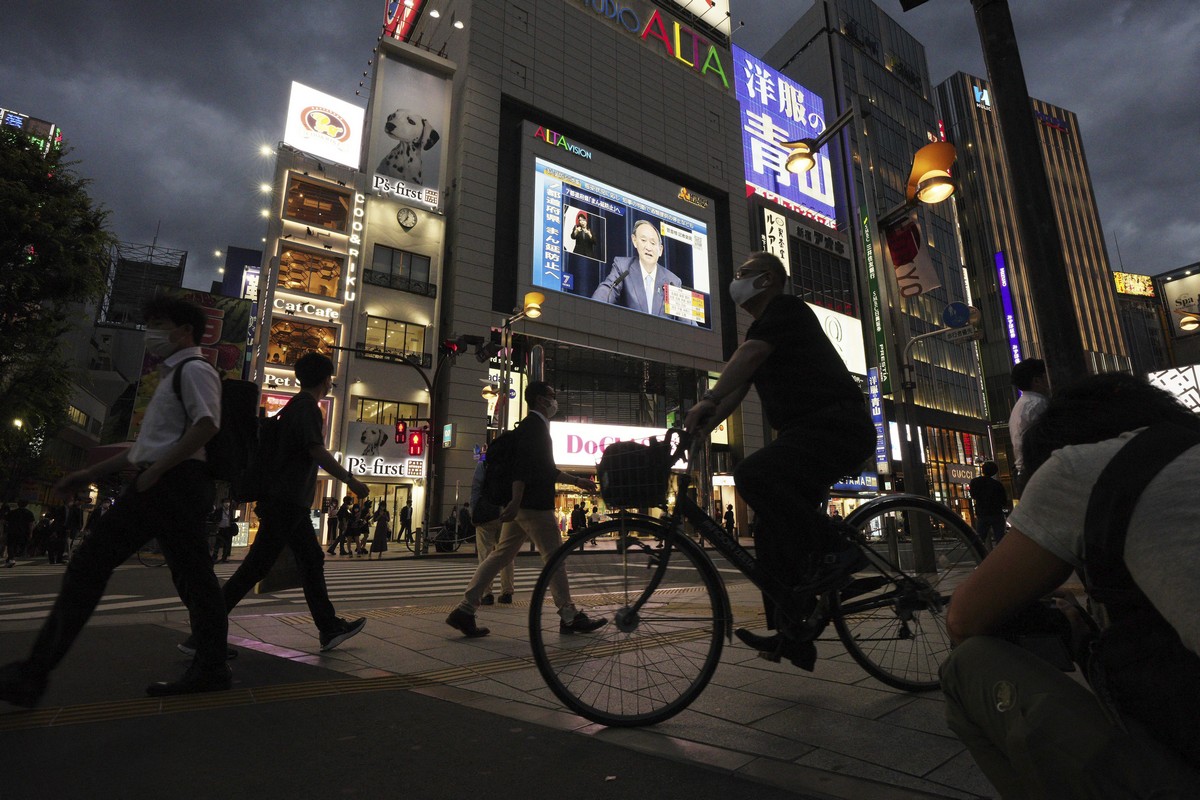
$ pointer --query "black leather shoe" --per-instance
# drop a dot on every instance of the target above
(582, 623)
(487, 600)
(505, 599)
(196, 680)
(466, 623)
(754, 640)
(21, 686)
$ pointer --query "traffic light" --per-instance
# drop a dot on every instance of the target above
(450, 347)
(416, 443)
(401, 431)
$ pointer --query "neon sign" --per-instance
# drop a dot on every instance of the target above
(776, 109)
(1006, 303)
(558, 140)
(678, 41)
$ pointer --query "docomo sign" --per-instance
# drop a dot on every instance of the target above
(580, 444)
(308, 309)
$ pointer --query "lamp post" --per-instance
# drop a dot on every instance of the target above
(530, 309)
(929, 182)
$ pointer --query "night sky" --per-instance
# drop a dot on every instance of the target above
(165, 105)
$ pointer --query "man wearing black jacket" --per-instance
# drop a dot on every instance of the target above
(529, 513)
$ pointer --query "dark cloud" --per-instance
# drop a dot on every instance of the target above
(165, 104)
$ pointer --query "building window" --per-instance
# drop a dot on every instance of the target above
(309, 271)
(290, 340)
(395, 338)
(400, 269)
(316, 204)
(383, 412)
(77, 417)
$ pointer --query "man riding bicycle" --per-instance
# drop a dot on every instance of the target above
(823, 433)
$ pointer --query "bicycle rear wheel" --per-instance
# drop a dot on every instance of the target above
(892, 616)
(650, 661)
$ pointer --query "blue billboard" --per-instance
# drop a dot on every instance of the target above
(776, 109)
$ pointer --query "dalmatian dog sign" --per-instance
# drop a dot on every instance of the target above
(410, 113)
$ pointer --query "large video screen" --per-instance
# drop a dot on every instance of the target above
(597, 241)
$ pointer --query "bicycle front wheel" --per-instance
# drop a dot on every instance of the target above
(892, 616)
(665, 626)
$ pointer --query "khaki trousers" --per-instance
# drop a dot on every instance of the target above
(487, 536)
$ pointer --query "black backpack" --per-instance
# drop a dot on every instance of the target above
(230, 451)
(499, 462)
(1138, 666)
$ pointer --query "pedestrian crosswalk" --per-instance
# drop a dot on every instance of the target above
(356, 582)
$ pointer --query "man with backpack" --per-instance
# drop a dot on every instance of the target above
(1108, 495)
(529, 512)
(170, 500)
(284, 507)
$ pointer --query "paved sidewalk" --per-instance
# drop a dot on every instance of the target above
(835, 733)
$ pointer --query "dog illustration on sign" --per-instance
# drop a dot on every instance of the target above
(415, 136)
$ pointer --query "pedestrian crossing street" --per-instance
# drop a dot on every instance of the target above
(357, 582)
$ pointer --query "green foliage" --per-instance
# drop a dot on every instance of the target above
(54, 251)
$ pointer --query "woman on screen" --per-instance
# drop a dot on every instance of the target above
(582, 234)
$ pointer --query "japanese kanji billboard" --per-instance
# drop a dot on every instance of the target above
(776, 109)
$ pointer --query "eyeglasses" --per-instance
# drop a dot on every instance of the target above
(748, 273)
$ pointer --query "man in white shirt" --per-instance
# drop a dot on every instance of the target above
(170, 499)
(1030, 378)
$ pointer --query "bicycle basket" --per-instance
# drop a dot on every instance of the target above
(635, 475)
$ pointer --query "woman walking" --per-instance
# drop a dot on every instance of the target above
(382, 531)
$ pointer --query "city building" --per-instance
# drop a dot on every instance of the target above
(1143, 323)
(136, 273)
(858, 59)
(997, 267)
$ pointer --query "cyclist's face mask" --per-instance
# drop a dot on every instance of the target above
(743, 290)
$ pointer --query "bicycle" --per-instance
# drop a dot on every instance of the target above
(670, 613)
(151, 555)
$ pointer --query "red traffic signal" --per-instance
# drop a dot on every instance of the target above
(416, 443)
(451, 347)
(401, 431)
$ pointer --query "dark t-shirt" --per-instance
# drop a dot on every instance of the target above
(300, 427)
(804, 373)
(534, 463)
(989, 496)
(18, 522)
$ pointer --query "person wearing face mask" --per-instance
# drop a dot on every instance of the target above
(530, 514)
(283, 511)
(638, 281)
(170, 500)
(823, 432)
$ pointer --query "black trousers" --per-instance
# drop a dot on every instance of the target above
(285, 525)
(173, 510)
(223, 544)
(785, 483)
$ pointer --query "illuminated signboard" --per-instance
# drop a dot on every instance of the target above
(846, 334)
(324, 126)
(579, 444)
(371, 450)
(1006, 304)
(1130, 283)
(410, 120)
(777, 109)
(1183, 383)
(775, 238)
(983, 98)
(590, 237)
(46, 135)
(399, 17)
(881, 357)
(664, 34)
(1182, 296)
(876, 402)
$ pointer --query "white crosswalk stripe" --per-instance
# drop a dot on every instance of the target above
(347, 581)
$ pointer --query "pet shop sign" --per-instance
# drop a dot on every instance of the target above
(371, 450)
(324, 126)
(661, 32)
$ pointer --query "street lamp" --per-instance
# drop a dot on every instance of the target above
(531, 309)
(929, 182)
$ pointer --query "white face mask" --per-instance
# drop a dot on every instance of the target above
(551, 409)
(743, 290)
(159, 343)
